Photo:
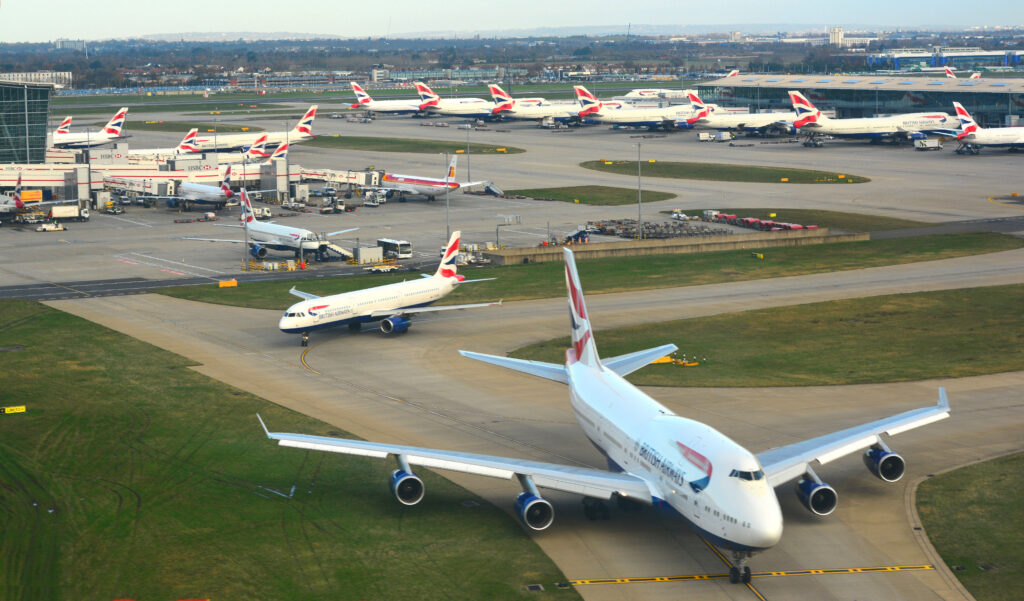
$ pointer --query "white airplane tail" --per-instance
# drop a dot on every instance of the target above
(733, 73)
(113, 127)
(806, 112)
(502, 101)
(967, 123)
(361, 96)
(448, 267)
(189, 143)
(589, 103)
(225, 186)
(427, 96)
(65, 126)
(279, 153)
(16, 197)
(949, 73)
(449, 176)
(258, 150)
(700, 110)
(248, 215)
(975, 76)
(304, 128)
(584, 349)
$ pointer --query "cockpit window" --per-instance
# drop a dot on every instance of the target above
(747, 475)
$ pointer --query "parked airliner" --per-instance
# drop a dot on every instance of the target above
(473, 108)
(302, 132)
(951, 75)
(394, 107)
(810, 121)
(63, 138)
(760, 122)
(13, 205)
(264, 235)
(655, 457)
(677, 116)
(536, 109)
(431, 187)
(186, 146)
(391, 304)
(972, 136)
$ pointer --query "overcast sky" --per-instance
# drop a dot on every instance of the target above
(45, 20)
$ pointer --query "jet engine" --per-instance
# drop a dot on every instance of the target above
(260, 252)
(816, 496)
(535, 512)
(406, 487)
(394, 325)
(884, 464)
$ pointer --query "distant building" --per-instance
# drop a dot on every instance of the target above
(62, 44)
(57, 78)
(24, 111)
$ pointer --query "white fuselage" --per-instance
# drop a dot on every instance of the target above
(415, 184)
(462, 107)
(244, 141)
(535, 111)
(997, 136)
(671, 116)
(360, 305)
(396, 107)
(282, 237)
(82, 140)
(745, 121)
(201, 193)
(884, 126)
(691, 467)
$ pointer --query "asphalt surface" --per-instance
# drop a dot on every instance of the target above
(417, 390)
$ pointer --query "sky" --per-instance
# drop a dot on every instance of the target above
(45, 20)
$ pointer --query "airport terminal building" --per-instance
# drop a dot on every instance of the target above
(992, 102)
(24, 111)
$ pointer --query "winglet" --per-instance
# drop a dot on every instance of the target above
(943, 401)
(263, 424)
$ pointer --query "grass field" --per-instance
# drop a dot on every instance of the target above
(973, 516)
(184, 126)
(724, 172)
(134, 477)
(854, 222)
(592, 195)
(946, 334)
(546, 280)
(407, 145)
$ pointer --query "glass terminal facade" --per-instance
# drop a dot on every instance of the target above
(24, 111)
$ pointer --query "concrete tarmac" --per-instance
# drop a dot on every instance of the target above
(417, 390)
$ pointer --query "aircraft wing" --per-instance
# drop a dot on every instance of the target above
(415, 310)
(580, 480)
(301, 294)
(782, 464)
(351, 229)
(472, 184)
(212, 239)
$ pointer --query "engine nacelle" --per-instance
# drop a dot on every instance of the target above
(394, 325)
(260, 252)
(536, 512)
(407, 488)
(818, 497)
(884, 464)
(918, 136)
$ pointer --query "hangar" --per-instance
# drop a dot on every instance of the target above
(992, 102)
(24, 111)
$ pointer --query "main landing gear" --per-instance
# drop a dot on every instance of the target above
(305, 339)
(595, 509)
(740, 572)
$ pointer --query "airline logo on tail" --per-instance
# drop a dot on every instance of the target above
(305, 125)
(700, 110)
(65, 126)
(361, 96)
(17, 192)
(427, 96)
(450, 174)
(114, 126)
(967, 124)
(805, 111)
(225, 186)
(247, 214)
(588, 101)
(949, 73)
(582, 338)
(259, 149)
(502, 101)
(280, 153)
(733, 73)
(189, 143)
(448, 268)
(975, 76)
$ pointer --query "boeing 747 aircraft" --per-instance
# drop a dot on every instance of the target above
(655, 457)
(63, 138)
(810, 121)
(392, 107)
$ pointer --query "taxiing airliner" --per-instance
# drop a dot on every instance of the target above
(655, 457)
(972, 136)
(391, 304)
(393, 107)
(264, 235)
(63, 138)
(431, 187)
(812, 122)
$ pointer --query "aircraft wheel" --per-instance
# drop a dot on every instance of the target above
(746, 574)
(734, 575)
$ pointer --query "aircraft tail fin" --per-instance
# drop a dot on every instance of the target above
(188, 144)
(17, 193)
(427, 96)
(304, 128)
(279, 153)
(448, 267)
(967, 123)
(361, 96)
(248, 215)
(65, 126)
(949, 73)
(258, 150)
(584, 349)
(588, 102)
(502, 101)
(225, 186)
(700, 110)
(449, 176)
(733, 73)
(976, 75)
(806, 112)
(113, 127)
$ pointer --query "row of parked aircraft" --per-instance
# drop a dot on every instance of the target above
(655, 457)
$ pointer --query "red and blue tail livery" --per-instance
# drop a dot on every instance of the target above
(806, 113)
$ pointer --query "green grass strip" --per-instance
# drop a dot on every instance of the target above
(945, 334)
(184, 126)
(724, 172)
(546, 280)
(592, 195)
(407, 145)
(973, 516)
(133, 476)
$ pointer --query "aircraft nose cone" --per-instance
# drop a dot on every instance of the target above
(766, 529)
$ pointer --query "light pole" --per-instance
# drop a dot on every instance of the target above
(639, 198)
(287, 173)
(469, 170)
(447, 223)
